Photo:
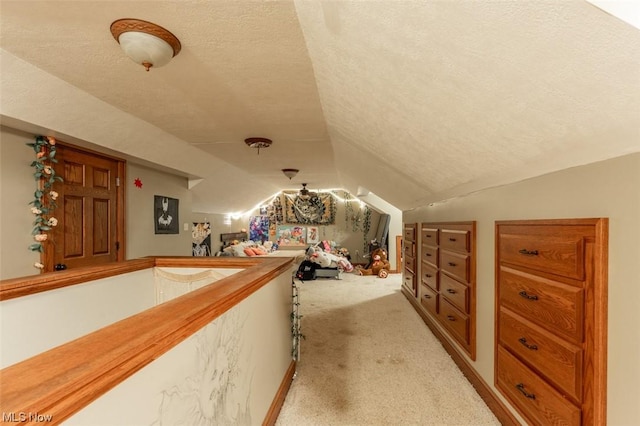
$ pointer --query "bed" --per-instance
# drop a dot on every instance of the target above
(237, 244)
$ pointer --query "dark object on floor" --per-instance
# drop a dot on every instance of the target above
(306, 271)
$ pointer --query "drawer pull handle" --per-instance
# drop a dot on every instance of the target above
(452, 239)
(426, 296)
(428, 254)
(452, 264)
(428, 236)
(451, 291)
(528, 296)
(520, 387)
(527, 344)
(428, 275)
(528, 252)
(451, 318)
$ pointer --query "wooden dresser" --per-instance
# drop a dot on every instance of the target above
(447, 279)
(409, 251)
(551, 319)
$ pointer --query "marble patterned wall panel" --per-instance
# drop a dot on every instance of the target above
(225, 374)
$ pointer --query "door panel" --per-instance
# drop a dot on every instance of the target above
(89, 209)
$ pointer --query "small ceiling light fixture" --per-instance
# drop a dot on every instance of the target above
(258, 143)
(145, 43)
(305, 194)
(290, 173)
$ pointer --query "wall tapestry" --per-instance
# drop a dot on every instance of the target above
(165, 215)
(319, 209)
(259, 228)
(291, 236)
(201, 239)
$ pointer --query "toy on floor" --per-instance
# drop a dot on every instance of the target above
(380, 265)
(328, 260)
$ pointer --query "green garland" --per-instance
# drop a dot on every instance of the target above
(296, 333)
(44, 202)
(360, 221)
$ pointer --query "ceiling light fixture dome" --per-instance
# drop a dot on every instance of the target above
(145, 43)
(258, 143)
(290, 173)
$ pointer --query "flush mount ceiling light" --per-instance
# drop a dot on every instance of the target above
(258, 143)
(145, 43)
(290, 172)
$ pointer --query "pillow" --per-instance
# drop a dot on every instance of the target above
(248, 251)
(238, 250)
(259, 251)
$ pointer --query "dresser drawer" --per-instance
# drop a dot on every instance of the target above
(409, 233)
(408, 279)
(455, 292)
(409, 248)
(430, 254)
(429, 299)
(429, 236)
(532, 395)
(560, 362)
(410, 263)
(551, 249)
(429, 275)
(456, 240)
(554, 306)
(454, 320)
(455, 264)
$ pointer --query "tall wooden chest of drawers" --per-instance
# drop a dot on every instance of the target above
(447, 284)
(409, 251)
(551, 319)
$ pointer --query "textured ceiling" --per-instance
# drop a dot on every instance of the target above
(416, 101)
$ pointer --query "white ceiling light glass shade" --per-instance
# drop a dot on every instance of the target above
(145, 43)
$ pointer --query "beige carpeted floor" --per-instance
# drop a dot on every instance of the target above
(369, 359)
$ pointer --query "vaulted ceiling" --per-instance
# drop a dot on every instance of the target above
(416, 101)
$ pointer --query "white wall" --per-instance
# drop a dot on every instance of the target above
(604, 189)
(38, 322)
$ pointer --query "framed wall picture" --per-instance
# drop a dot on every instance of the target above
(165, 211)
(201, 239)
(313, 234)
(291, 236)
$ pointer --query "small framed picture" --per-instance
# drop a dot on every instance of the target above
(165, 217)
(313, 234)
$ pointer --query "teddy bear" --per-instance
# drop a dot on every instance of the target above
(380, 266)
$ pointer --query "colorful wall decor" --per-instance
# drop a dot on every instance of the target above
(259, 228)
(313, 234)
(291, 236)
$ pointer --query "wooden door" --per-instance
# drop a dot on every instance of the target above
(90, 210)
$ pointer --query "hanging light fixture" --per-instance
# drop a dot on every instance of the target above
(290, 173)
(258, 143)
(305, 194)
(145, 43)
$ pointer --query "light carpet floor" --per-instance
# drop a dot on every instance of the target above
(369, 359)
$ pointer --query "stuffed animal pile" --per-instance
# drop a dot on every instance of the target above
(328, 260)
(380, 266)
